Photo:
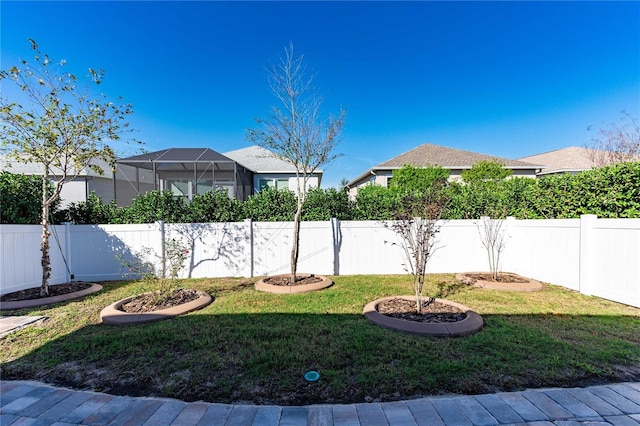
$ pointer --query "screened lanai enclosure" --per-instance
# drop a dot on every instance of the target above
(183, 171)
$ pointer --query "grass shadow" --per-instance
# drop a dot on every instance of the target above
(262, 357)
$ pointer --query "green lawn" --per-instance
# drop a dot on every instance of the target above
(255, 347)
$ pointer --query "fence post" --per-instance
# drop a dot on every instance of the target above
(249, 224)
(336, 243)
(4, 258)
(587, 223)
(67, 230)
(163, 259)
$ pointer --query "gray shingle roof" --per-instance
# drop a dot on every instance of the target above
(260, 160)
(429, 154)
(176, 155)
(19, 167)
(569, 159)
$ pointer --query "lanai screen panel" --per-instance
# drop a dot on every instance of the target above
(190, 171)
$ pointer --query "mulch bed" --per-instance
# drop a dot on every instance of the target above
(157, 301)
(502, 278)
(285, 280)
(432, 311)
(54, 290)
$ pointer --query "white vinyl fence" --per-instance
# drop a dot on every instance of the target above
(599, 257)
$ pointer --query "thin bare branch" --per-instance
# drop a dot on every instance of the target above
(295, 133)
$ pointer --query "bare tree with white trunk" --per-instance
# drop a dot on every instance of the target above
(494, 240)
(417, 223)
(296, 132)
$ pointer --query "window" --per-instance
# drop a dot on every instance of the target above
(203, 186)
(279, 184)
(183, 188)
(179, 188)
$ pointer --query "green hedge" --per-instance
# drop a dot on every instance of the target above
(21, 198)
(608, 192)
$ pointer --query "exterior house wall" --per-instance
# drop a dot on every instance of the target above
(313, 181)
(78, 190)
(73, 191)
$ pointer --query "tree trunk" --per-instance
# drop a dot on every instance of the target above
(45, 261)
(418, 292)
(296, 242)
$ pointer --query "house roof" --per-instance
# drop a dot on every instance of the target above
(570, 159)
(261, 160)
(36, 169)
(449, 158)
(176, 159)
(428, 154)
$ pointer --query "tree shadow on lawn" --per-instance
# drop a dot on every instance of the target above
(262, 358)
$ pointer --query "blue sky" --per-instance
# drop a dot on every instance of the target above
(509, 79)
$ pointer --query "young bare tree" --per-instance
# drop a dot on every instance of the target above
(417, 222)
(64, 129)
(494, 241)
(616, 142)
(296, 132)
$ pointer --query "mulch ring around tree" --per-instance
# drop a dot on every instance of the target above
(431, 312)
(29, 298)
(154, 306)
(157, 301)
(506, 281)
(285, 280)
(439, 317)
(282, 284)
(54, 290)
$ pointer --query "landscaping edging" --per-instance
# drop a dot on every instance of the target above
(31, 303)
(113, 314)
(471, 324)
(529, 286)
(288, 289)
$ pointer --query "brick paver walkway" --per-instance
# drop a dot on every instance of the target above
(34, 403)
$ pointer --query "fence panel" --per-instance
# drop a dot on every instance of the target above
(272, 248)
(546, 249)
(458, 249)
(97, 251)
(367, 247)
(215, 249)
(20, 256)
(616, 251)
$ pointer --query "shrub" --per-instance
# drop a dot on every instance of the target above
(374, 202)
(271, 205)
(214, 206)
(92, 211)
(324, 204)
(153, 206)
(410, 178)
(21, 198)
(484, 171)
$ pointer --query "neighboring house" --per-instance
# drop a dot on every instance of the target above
(184, 171)
(190, 171)
(454, 160)
(87, 181)
(269, 171)
(566, 160)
